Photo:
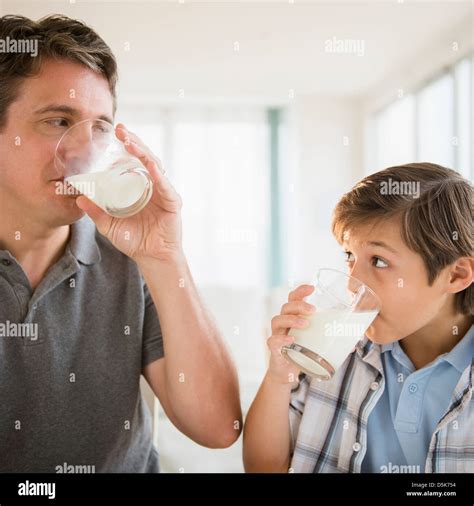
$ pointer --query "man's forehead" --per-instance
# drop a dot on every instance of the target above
(73, 86)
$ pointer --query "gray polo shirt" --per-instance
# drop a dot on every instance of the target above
(71, 355)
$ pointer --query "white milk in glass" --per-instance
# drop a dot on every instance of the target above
(332, 334)
(112, 189)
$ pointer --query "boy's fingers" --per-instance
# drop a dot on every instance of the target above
(276, 343)
(282, 323)
(298, 307)
(300, 292)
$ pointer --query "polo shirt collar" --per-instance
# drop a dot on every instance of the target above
(462, 354)
(460, 357)
(82, 244)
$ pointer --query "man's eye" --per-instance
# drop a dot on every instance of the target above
(380, 263)
(101, 129)
(58, 122)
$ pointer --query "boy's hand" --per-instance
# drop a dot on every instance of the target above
(291, 315)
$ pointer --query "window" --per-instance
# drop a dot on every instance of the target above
(432, 124)
(464, 110)
(395, 139)
(218, 160)
(435, 126)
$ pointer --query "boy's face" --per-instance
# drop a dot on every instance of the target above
(398, 276)
(50, 102)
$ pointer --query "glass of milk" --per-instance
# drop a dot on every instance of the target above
(345, 308)
(95, 163)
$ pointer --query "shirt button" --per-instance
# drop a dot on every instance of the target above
(374, 385)
(356, 446)
(413, 388)
(6, 262)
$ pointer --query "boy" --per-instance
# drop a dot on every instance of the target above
(402, 400)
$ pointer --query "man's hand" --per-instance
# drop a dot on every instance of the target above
(153, 233)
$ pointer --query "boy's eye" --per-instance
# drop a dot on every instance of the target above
(377, 261)
(349, 256)
(380, 263)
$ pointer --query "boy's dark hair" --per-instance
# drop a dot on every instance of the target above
(435, 207)
(59, 37)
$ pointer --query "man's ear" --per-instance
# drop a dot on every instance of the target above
(461, 274)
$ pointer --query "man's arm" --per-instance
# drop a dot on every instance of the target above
(196, 382)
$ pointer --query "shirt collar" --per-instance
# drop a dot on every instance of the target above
(82, 244)
(460, 357)
(462, 354)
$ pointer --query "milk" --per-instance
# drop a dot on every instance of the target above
(332, 334)
(113, 189)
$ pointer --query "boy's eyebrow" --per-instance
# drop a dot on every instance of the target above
(66, 109)
(377, 243)
(382, 245)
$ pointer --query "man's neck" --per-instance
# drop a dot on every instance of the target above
(440, 336)
(35, 247)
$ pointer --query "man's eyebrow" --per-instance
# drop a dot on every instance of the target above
(66, 109)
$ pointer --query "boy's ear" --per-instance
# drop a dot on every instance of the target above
(461, 274)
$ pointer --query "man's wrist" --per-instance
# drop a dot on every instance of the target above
(176, 258)
(175, 262)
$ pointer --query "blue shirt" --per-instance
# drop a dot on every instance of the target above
(401, 425)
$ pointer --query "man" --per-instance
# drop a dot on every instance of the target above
(78, 306)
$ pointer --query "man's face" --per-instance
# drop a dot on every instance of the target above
(398, 276)
(62, 94)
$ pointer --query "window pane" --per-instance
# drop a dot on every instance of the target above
(463, 111)
(394, 131)
(435, 122)
(221, 170)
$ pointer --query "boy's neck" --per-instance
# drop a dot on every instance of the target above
(440, 336)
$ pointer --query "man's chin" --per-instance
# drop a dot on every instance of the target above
(65, 212)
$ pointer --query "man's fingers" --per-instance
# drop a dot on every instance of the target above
(170, 200)
(98, 215)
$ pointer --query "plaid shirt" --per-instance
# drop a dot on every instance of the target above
(328, 419)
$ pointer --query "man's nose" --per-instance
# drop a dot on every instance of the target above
(80, 151)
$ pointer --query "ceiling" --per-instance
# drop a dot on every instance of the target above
(257, 48)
